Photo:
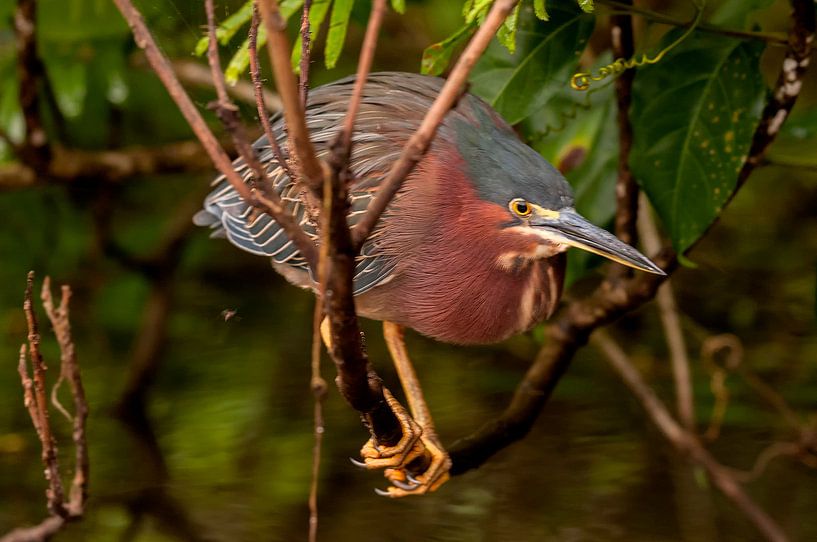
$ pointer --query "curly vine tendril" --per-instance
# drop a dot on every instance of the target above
(583, 80)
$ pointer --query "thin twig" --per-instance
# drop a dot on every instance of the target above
(194, 73)
(621, 32)
(310, 168)
(306, 54)
(624, 7)
(671, 323)
(342, 147)
(421, 139)
(269, 203)
(69, 370)
(34, 399)
(684, 441)
(258, 89)
(38, 407)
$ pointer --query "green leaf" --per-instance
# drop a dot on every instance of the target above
(520, 84)
(694, 115)
(317, 13)
(586, 5)
(399, 6)
(540, 10)
(241, 59)
(507, 32)
(437, 56)
(476, 10)
(227, 29)
(338, 24)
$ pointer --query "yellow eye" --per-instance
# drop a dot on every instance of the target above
(520, 207)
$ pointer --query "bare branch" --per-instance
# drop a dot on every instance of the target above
(258, 89)
(343, 145)
(38, 405)
(74, 165)
(626, 188)
(421, 139)
(194, 73)
(307, 162)
(163, 69)
(671, 323)
(306, 53)
(35, 401)
(684, 441)
(564, 335)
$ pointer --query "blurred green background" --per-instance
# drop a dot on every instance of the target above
(201, 426)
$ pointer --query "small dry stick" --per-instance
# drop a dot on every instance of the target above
(671, 322)
(258, 88)
(306, 54)
(35, 401)
(310, 168)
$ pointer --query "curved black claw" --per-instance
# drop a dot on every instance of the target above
(412, 479)
(357, 463)
(382, 492)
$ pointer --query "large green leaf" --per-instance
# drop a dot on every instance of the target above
(519, 84)
(693, 115)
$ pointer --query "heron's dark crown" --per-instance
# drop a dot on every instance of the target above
(500, 166)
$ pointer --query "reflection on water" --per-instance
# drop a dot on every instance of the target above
(221, 449)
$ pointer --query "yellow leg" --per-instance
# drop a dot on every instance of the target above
(392, 458)
(432, 471)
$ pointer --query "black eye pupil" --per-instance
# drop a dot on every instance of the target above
(522, 208)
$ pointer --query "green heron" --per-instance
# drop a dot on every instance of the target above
(470, 251)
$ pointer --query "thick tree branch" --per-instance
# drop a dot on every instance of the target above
(626, 188)
(573, 325)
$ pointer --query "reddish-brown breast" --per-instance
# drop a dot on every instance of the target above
(462, 277)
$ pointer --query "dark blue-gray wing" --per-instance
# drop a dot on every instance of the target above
(392, 108)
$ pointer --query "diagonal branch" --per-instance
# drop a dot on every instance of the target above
(684, 441)
(572, 327)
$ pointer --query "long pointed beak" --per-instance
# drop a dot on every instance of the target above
(571, 228)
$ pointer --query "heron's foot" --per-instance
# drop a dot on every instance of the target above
(425, 474)
(417, 464)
